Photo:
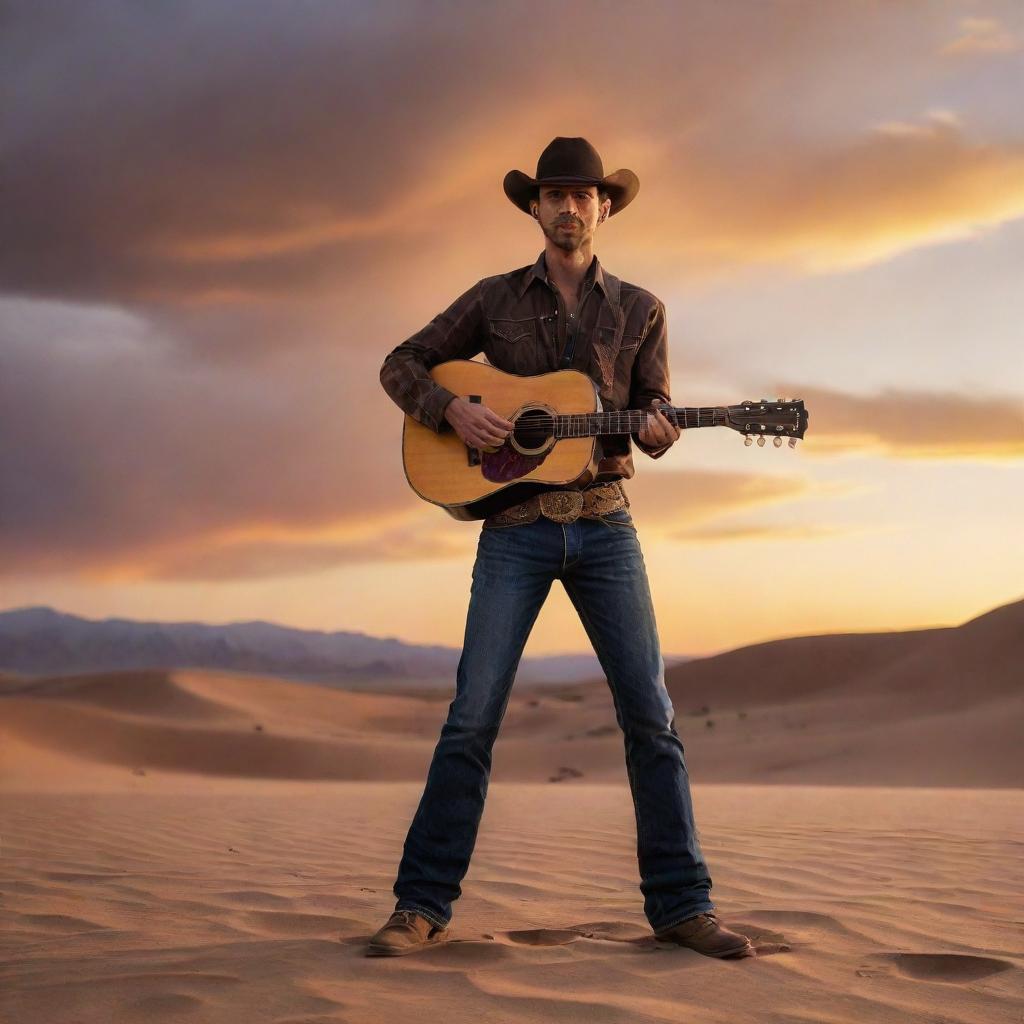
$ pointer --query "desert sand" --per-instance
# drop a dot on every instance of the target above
(201, 846)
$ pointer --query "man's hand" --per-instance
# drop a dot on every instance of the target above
(659, 430)
(478, 426)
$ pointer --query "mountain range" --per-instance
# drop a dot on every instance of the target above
(41, 641)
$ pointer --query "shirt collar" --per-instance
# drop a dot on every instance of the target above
(539, 272)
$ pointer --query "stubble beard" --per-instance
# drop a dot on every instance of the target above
(569, 242)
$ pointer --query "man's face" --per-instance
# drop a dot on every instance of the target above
(569, 214)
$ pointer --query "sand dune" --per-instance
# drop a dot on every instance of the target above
(942, 710)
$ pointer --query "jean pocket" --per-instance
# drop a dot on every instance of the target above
(620, 517)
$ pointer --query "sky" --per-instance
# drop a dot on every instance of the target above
(218, 218)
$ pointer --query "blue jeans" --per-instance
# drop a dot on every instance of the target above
(602, 569)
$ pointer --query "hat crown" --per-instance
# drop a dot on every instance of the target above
(573, 158)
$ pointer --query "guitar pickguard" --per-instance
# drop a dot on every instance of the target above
(508, 464)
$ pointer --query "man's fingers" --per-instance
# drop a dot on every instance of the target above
(667, 425)
(659, 429)
(498, 421)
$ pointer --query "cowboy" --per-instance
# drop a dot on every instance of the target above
(565, 310)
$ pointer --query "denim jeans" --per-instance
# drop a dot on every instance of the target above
(601, 566)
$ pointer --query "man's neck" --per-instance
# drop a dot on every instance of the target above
(566, 270)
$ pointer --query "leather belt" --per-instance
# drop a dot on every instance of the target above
(564, 506)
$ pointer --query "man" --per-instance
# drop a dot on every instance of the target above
(565, 310)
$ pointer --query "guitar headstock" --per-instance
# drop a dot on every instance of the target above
(783, 417)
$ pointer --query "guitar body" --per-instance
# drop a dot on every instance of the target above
(473, 484)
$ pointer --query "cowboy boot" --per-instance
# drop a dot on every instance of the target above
(405, 932)
(704, 934)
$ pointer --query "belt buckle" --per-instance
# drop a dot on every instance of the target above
(562, 506)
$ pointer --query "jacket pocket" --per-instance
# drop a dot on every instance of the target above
(513, 332)
(605, 351)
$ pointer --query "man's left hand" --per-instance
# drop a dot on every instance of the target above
(659, 431)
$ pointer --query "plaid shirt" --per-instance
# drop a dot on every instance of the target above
(519, 321)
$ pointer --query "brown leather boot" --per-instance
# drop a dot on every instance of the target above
(405, 932)
(704, 934)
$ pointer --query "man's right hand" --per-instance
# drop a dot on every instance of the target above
(478, 426)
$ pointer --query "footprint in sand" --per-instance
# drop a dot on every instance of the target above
(945, 968)
(542, 936)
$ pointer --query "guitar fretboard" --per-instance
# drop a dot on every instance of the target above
(630, 421)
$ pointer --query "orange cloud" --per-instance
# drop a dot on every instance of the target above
(414, 539)
(756, 532)
(981, 36)
(912, 424)
(899, 186)
(669, 498)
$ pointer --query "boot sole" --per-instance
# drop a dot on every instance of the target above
(716, 953)
(373, 949)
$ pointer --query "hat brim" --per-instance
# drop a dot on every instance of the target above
(622, 187)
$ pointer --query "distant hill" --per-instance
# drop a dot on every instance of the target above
(944, 667)
(930, 707)
(40, 641)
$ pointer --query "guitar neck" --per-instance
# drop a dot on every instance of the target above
(631, 421)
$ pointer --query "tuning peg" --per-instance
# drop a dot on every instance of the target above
(777, 442)
(792, 442)
(748, 440)
(760, 440)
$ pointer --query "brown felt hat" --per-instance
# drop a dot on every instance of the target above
(572, 161)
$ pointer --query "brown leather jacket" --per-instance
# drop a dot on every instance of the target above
(519, 321)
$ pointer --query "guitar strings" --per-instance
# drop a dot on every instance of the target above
(537, 427)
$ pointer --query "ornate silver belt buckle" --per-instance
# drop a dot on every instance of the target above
(562, 506)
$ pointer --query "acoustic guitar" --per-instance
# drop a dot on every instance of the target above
(553, 444)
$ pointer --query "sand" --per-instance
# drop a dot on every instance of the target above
(252, 902)
(197, 846)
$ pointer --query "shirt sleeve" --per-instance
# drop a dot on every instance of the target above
(454, 334)
(650, 379)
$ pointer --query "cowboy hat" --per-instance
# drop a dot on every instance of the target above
(572, 161)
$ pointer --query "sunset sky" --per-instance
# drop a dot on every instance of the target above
(218, 218)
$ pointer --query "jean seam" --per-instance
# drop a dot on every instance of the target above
(428, 914)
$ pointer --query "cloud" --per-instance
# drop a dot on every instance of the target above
(981, 36)
(124, 457)
(904, 424)
(117, 449)
(757, 532)
(900, 185)
(684, 496)
(210, 155)
(414, 537)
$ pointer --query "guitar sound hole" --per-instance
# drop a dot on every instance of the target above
(533, 428)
